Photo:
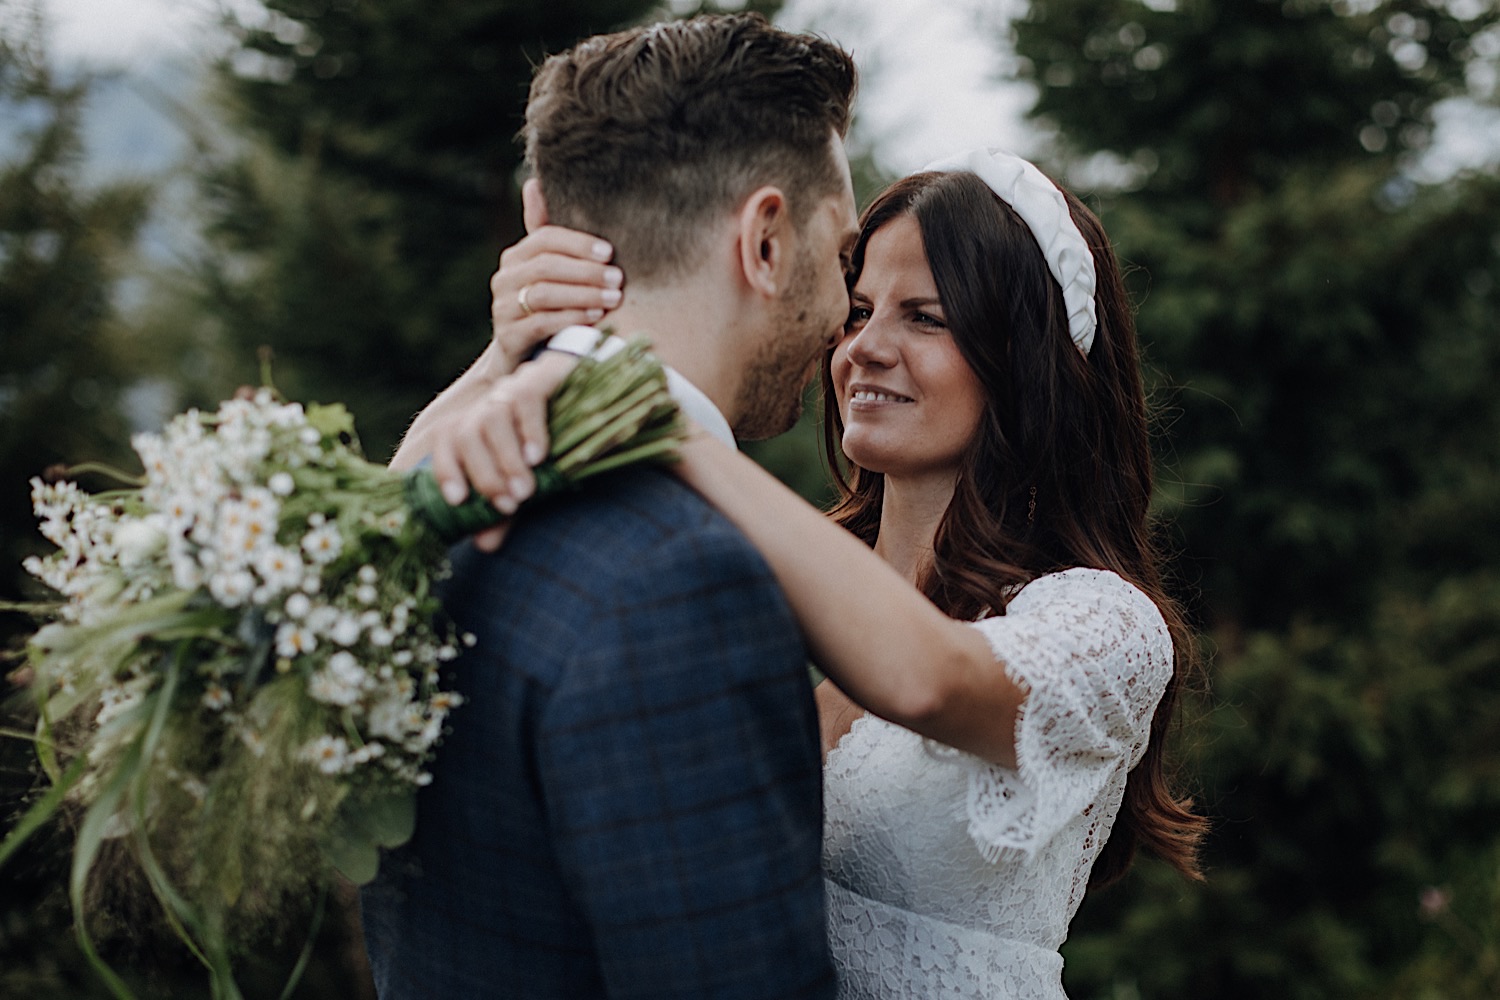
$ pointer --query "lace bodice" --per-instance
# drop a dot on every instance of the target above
(951, 878)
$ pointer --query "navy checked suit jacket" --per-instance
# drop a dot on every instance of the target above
(629, 803)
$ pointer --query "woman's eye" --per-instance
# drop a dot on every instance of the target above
(927, 319)
(858, 316)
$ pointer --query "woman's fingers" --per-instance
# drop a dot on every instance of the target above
(533, 386)
(552, 279)
(550, 295)
(502, 443)
(568, 243)
(481, 450)
(490, 539)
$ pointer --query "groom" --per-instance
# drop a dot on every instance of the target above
(629, 804)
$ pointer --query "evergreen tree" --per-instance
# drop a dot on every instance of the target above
(61, 248)
(62, 245)
(1323, 331)
(358, 233)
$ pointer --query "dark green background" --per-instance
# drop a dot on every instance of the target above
(1321, 337)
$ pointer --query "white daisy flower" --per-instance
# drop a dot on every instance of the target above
(345, 631)
(330, 690)
(231, 587)
(294, 639)
(346, 668)
(323, 543)
(280, 568)
(330, 754)
(322, 618)
(138, 539)
(388, 717)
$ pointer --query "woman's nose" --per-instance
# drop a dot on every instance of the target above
(874, 345)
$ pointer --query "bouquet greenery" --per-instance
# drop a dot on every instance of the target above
(241, 680)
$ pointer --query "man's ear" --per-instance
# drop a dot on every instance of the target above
(765, 234)
(533, 205)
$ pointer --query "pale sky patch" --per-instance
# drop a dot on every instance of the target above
(929, 87)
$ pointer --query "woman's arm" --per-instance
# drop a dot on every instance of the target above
(883, 643)
(888, 647)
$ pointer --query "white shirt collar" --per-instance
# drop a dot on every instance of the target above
(695, 403)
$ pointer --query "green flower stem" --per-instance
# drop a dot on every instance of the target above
(606, 415)
(307, 948)
(46, 807)
(660, 451)
(590, 425)
(90, 840)
(611, 435)
(118, 475)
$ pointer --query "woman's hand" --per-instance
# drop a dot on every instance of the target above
(553, 278)
(493, 443)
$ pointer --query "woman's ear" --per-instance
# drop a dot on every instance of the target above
(533, 205)
(765, 240)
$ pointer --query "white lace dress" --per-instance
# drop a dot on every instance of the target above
(950, 878)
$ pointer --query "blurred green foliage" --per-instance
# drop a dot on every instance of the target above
(1321, 341)
(1322, 338)
(62, 248)
(356, 234)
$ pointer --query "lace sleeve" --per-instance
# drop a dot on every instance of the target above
(1095, 655)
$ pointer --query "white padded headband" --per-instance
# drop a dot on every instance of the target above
(1044, 210)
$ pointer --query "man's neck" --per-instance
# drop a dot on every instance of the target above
(689, 328)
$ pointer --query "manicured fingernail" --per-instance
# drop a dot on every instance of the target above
(534, 453)
(613, 277)
(603, 250)
(454, 492)
(520, 488)
(611, 297)
(504, 504)
(595, 315)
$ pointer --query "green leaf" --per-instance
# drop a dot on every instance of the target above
(365, 825)
(357, 860)
(45, 808)
(330, 419)
(392, 818)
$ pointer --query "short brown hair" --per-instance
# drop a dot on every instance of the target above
(645, 136)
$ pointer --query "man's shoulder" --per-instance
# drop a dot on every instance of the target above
(652, 502)
(637, 562)
(627, 535)
(623, 520)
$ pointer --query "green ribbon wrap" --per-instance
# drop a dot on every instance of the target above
(454, 522)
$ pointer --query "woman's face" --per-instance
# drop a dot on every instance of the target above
(909, 401)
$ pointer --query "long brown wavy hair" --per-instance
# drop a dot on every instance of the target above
(1067, 431)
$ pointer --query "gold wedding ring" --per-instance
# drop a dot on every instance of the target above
(526, 309)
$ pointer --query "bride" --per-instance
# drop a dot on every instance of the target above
(985, 597)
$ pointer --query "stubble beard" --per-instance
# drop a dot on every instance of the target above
(770, 396)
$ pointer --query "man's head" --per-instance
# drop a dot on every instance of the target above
(649, 137)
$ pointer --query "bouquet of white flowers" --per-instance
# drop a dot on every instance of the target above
(242, 679)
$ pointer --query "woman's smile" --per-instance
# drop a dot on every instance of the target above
(909, 401)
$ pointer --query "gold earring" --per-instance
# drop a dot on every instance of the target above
(1031, 507)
